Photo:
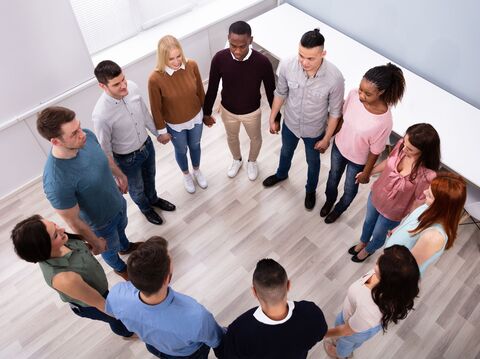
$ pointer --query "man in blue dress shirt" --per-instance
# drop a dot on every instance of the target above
(171, 324)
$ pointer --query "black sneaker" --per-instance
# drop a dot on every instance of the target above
(310, 199)
(272, 180)
(153, 217)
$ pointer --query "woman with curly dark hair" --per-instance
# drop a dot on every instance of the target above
(382, 296)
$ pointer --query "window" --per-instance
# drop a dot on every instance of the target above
(107, 22)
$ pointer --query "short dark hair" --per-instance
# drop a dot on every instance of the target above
(240, 28)
(31, 240)
(149, 266)
(51, 119)
(107, 70)
(312, 38)
(270, 281)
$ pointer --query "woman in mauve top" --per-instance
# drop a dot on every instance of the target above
(404, 176)
(382, 296)
(432, 227)
(176, 93)
(367, 123)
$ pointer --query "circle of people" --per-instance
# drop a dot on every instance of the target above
(412, 209)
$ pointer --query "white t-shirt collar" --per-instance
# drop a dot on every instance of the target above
(262, 317)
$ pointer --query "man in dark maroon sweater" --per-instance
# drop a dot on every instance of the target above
(242, 71)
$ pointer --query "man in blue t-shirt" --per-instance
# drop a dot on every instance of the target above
(78, 182)
(171, 324)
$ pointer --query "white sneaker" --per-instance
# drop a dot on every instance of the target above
(252, 170)
(188, 183)
(202, 182)
(234, 168)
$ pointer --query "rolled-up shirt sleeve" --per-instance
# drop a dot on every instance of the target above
(282, 84)
(335, 100)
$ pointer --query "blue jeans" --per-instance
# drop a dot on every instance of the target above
(346, 345)
(375, 228)
(201, 353)
(289, 144)
(187, 140)
(338, 163)
(95, 314)
(114, 233)
(139, 167)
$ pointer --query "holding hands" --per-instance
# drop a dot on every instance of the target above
(362, 177)
(209, 121)
(274, 126)
(164, 138)
(322, 145)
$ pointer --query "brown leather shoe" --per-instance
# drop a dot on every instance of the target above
(122, 274)
(132, 247)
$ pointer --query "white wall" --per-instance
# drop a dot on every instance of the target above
(436, 39)
(43, 54)
(23, 152)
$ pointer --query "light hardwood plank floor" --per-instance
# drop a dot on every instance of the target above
(216, 237)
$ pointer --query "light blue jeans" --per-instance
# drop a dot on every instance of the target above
(375, 228)
(346, 345)
(187, 140)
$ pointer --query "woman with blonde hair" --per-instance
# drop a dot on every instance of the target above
(176, 98)
(432, 228)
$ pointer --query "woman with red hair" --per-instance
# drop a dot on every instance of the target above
(432, 227)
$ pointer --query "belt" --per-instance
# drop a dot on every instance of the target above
(142, 147)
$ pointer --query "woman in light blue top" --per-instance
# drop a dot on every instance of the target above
(432, 227)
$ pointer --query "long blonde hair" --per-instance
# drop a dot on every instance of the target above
(167, 43)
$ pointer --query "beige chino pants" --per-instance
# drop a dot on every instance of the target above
(253, 126)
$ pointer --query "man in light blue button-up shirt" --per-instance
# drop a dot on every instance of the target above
(312, 90)
(170, 323)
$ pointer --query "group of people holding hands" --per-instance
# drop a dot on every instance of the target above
(412, 209)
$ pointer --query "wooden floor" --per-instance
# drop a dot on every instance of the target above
(216, 236)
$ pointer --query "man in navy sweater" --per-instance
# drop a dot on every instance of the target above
(242, 71)
(278, 328)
